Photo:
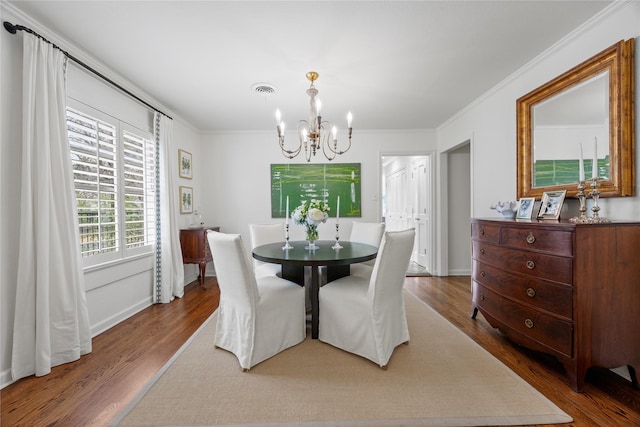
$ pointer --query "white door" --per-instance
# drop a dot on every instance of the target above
(396, 200)
(420, 210)
(407, 201)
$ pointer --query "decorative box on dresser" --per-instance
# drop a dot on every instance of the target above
(195, 248)
(570, 290)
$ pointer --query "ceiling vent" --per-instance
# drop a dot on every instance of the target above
(264, 89)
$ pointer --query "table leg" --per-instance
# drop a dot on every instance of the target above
(203, 270)
(315, 305)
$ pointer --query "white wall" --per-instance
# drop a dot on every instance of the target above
(459, 211)
(236, 182)
(492, 118)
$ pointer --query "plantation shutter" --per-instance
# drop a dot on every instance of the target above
(94, 159)
(139, 175)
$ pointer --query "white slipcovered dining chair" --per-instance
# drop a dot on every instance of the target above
(257, 317)
(366, 316)
(371, 234)
(262, 234)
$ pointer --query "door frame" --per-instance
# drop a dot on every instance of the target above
(431, 160)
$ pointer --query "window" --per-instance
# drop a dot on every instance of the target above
(114, 174)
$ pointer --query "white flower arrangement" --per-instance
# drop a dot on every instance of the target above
(310, 214)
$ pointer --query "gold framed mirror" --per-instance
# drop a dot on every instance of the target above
(586, 111)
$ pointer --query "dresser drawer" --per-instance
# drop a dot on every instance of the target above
(538, 239)
(552, 297)
(549, 331)
(550, 267)
(486, 233)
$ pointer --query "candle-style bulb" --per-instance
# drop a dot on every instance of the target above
(334, 132)
(278, 117)
(349, 119)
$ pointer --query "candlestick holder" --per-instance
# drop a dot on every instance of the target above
(337, 245)
(286, 246)
(582, 198)
(595, 194)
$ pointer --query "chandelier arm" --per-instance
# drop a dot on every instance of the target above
(326, 142)
(307, 153)
(336, 151)
(288, 153)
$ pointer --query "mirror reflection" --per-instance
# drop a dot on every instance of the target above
(587, 112)
(567, 124)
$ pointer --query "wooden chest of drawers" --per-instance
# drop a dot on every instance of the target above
(195, 248)
(570, 290)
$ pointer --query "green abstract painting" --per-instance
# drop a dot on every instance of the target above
(324, 182)
(561, 172)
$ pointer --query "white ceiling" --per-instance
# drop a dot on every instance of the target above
(394, 64)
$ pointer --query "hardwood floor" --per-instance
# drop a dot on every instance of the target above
(93, 390)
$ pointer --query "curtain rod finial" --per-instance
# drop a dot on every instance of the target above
(9, 27)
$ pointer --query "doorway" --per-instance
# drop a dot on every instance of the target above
(407, 193)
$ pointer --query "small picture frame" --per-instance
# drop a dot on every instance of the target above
(186, 200)
(525, 209)
(185, 165)
(551, 204)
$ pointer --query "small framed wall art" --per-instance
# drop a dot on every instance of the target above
(186, 200)
(185, 164)
(551, 204)
(526, 208)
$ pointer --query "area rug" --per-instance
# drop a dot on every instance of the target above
(442, 378)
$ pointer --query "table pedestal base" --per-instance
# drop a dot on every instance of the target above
(296, 274)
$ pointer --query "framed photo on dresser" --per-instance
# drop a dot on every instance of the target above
(551, 204)
(525, 209)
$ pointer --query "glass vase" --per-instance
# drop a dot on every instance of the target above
(312, 236)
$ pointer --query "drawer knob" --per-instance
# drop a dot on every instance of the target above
(482, 274)
(531, 265)
(482, 232)
(531, 292)
(481, 297)
(528, 323)
(482, 251)
(531, 238)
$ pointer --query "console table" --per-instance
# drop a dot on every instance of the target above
(195, 248)
(570, 290)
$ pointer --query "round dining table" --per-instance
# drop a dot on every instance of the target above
(293, 261)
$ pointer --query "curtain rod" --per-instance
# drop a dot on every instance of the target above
(15, 28)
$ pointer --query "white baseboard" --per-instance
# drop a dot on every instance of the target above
(460, 272)
(123, 315)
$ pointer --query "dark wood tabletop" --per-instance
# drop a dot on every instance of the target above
(351, 252)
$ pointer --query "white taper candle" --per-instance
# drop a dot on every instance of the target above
(581, 164)
(595, 159)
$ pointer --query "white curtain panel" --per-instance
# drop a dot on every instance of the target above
(51, 321)
(169, 267)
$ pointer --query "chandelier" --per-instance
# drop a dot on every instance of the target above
(314, 133)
